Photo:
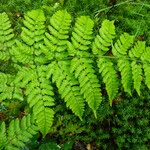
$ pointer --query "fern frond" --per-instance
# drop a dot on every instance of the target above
(18, 133)
(136, 53)
(8, 89)
(122, 45)
(33, 34)
(146, 55)
(137, 75)
(39, 94)
(82, 34)
(68, 87)
(3, 136)
(146, 65)
(28, 51)
(82, 68)
(120, 50)
(137, 50)
(56, 39)
(34, 29)
(100, 46)
(6, 36)
(125, 68)
(90, 87)
(107, 70)
(22, 53)
(103, 41)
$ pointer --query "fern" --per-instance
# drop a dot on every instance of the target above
(100, 47)
(39, 94)
(59, 55)
(120, 50)
(8, 90)
(68, 87)
(146, 59)
(66, 83)
(55, 41)
(83, 67)
(28, 50)
(17, 134)
(6, 37)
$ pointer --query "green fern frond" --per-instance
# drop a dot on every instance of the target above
(124, 66)
(68, 87)
(146, 55)
(56, 39)
(89, 84)
(120, 50)
(18, 133)
(100, 46)
(42, 57)
(122, 45)
(33, 34)
(137, 75)
(34, 29)
(28, 51)
(82, 35)
(82, 68)
(22, 53)
(103, 41)
(107, 70)
(39, 94)
(136, 53)
(137, 50)
(8, 89)
(146, 65)
(6, 36)
(3, 136)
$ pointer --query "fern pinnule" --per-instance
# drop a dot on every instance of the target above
(82, 34)
(125, 68)
(33, 34)
(6, 36)
(28, 51)
(146, 55)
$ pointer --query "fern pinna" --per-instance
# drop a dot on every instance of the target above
(61, 56)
